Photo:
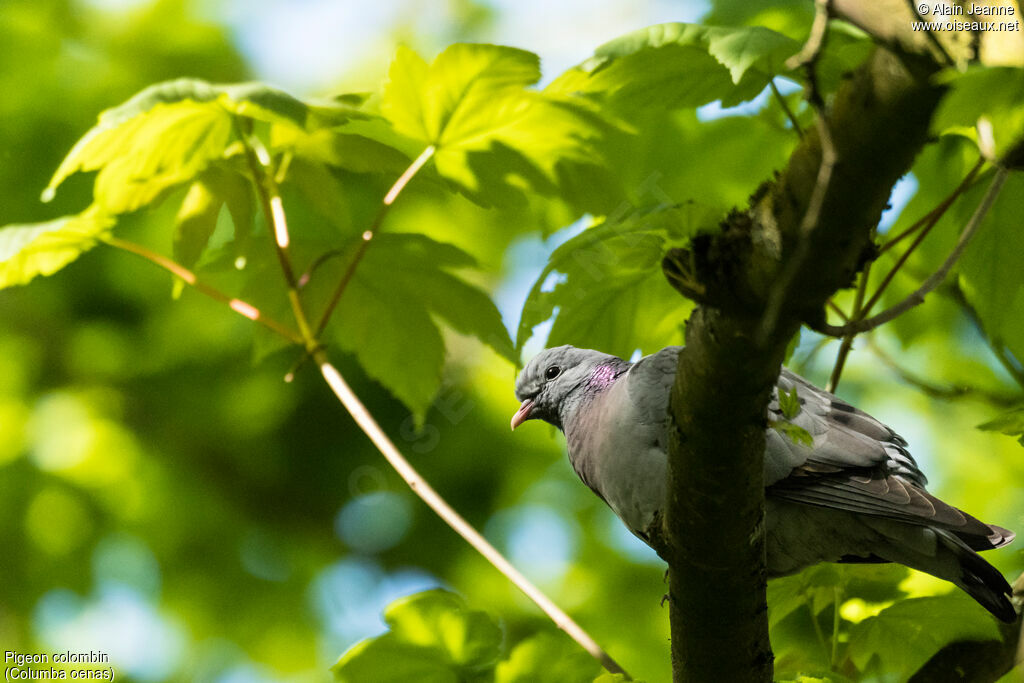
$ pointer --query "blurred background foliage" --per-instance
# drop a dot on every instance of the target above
(169, 501)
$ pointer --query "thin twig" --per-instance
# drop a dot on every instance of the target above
(188, 277)
(847, 344)
(367, 236)
(940, 208)
(317, 262)
(429, 496)
(917, 297)
(785, 108)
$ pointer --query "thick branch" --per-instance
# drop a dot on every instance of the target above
(714, 530)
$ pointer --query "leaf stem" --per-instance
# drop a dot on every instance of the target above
(847, 344)
(941, 208)
(368, 235)
(785, 108)
(269, 195)
(237, 305)
(452, 518)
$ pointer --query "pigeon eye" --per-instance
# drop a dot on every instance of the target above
(553, 372)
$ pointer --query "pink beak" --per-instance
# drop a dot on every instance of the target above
(523, 414)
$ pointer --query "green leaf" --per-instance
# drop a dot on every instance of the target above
(790, 17)
(44, 248)
(349, 151)
(195, 222)
(995, 94)
(611, 294)
(789, 403)
(168, 133)
(434, 636)
(547, 658)
(906, 635)
(387, 314)
(795, 433)
(990, 270)
(1010, 423)
(680, 65)
(472, 100)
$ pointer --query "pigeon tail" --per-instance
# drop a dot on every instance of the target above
(982, 581)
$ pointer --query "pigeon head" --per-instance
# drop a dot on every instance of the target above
(555, 377)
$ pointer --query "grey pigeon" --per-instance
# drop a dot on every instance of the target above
(855, 495)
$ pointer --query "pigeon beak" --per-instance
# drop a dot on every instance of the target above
(523, 414)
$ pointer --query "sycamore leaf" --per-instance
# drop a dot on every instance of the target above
(906, 635)
(680, 65)
(992, 94)
(547, 658)
(389, 315)
(44, 248)
(349, 151)
(169, 133)
(474, 98)
(609, 291)
(434, 637)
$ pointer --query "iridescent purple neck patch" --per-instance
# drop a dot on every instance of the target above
(602, 377)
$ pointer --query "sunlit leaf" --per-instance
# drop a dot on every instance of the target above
(607, 285)
(547, 658)
(194, 223)
(992, 94)
(906, 635)
(169, 132)
(44, 248)
(475, 97)
(680, 65)
(434, 636)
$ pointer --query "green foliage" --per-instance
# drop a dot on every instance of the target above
(904, 636)
(167, 134)
(434, 636)
(613, 295)
(789, 403)
(547, 658)
(402, 286)
(474, 98)
(680, 65)
(795, 433)
(44, 248)
(1010, 423)
(993, 95)
(990, 271)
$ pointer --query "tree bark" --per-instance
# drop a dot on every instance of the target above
(714, 527)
